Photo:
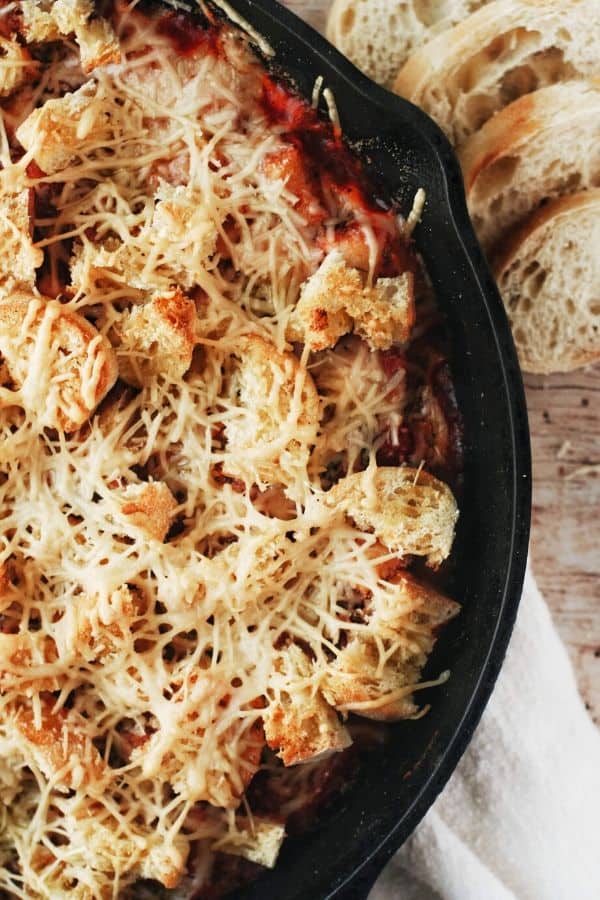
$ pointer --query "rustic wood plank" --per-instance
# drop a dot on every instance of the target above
(564, 415)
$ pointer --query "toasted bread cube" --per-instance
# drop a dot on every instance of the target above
(22, 652)
(97, 830)
(20, 258)
(410, 511)
(335, 301)
(60, 744)
(320, 318)
(385, 314)
(16, 66)
(356, 682)
(258, 840)
(101, 625)
(98, 45)
(57, 131)
(179, 215)
(157, 338)
(402, 621)
(149, 507)
(410, 606)
(39, 24)
(62, 365)
(279, 408)
(298, 723)
(97, 41)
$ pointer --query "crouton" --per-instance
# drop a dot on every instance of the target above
(98, 831)
(409, 511)
(320, 317)
(20, 654)
(16, 66)
(258, 840)
(179, 215)
(298, 723)
(385, 313)
(20, 258)
(57, 131)
(157, 338)
(335, 301)
(377, 671)
(61, 364)
(60, 745)
(98, 44)
(100, 624)
(39, 24)
(278, 402)
(149, 507)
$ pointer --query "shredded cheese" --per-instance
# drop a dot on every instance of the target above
(166, 538)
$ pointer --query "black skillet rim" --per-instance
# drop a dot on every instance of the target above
(270, 19)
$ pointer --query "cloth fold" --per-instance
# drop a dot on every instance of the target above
(520, 817)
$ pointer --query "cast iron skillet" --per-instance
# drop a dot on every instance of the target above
(405, 150)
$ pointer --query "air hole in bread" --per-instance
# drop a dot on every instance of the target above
(542, 68)
(529, 269)
(536, 284)
(424, 13)
(348, 20)
(478, 108)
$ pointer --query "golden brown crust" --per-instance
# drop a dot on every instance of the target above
(158, 337)
(150, 507)
(401, 622)
(59, 744)
(259, 368)
(55, 132)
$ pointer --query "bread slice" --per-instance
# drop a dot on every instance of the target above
(379, 35)
(544, 144)
(549, 277)
(504, 50)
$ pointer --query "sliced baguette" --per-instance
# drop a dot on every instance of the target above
(504, 50)
(379, 35)
(549, 277)
(543, 145)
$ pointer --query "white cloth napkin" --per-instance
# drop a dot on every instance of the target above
(520, 817)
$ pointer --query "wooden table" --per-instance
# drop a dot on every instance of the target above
(564, 415)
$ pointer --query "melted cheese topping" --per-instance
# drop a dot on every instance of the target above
(163, 542)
